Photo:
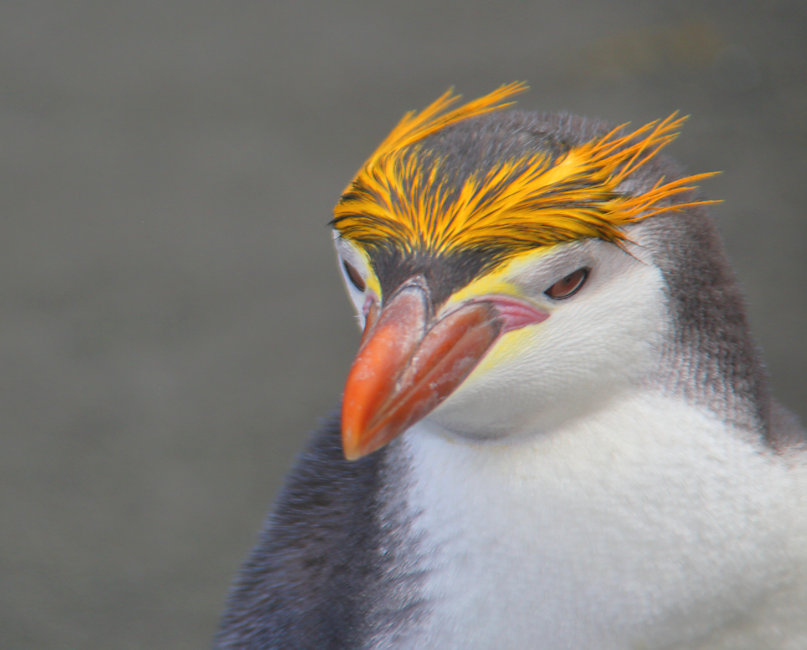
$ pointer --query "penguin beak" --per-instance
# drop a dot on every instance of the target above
(408, 362)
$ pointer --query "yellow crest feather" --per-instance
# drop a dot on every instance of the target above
(415, 126)
(519, 204)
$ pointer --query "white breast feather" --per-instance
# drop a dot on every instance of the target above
(644, 525)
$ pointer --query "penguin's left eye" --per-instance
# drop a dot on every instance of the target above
(568, 286)
(354, 276)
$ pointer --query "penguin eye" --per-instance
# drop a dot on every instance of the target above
(568, 286)
(354, 276)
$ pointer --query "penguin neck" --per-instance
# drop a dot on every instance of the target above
(618, 529)
(709, 357)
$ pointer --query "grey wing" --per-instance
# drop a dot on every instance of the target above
(305, 581)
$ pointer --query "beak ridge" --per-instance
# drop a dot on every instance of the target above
(408, 364)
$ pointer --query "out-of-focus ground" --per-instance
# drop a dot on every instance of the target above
(172, 320)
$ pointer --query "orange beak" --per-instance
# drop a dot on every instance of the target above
(409, 363)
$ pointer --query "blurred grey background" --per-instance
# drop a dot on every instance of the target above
(172, 320)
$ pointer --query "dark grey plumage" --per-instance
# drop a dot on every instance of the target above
(306, 582)
(320, 574)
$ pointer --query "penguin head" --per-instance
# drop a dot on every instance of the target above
(509, 270)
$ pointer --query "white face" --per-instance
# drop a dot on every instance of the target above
(600, 340)
(350, 257)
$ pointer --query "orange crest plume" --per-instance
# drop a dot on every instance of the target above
(519, 204)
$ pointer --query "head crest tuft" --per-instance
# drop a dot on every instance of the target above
(415, 126)
(538, 200)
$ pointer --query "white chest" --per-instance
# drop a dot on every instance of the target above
(643, 527)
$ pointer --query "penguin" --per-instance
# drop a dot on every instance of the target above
(557, 431)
